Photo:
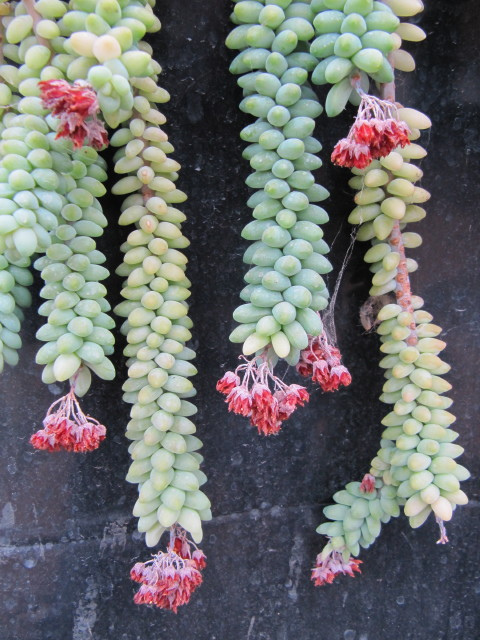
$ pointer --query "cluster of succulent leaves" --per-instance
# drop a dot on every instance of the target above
(285, 287)
(51, 214)
(50, 206)
(285, 46)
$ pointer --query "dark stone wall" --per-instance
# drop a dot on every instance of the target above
(66, 532)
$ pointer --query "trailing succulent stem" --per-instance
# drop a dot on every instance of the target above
(415, 467)
(164, 449)
(166, 462)
(285, 289)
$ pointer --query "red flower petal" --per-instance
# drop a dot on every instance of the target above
(229, 381)
(368, 484)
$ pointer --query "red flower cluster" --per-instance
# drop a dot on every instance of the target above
(76, 106)
(374, 134)
(369, 140)
(368, 483)
(169, 578)
(328, 568)
(323, 363)
(67, 427)
(253, 398)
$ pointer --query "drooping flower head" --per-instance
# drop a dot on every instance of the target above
(295, 395)
(374, 134)
(350, 153)
(229, 381)
(261, 395)
(329, 566)
(76, 106)
(66, 427)
(170, 577)
(322, 362)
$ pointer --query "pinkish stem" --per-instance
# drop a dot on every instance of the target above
(403, 289)
(388, 91)
(443, 532)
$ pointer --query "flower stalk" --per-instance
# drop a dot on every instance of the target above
(67, 427)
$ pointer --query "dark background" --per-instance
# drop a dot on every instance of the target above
(66, 532)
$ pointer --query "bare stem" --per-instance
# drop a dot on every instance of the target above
(36, 17)
(443, 532)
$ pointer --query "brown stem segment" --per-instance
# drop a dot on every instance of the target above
(36, 17)
(403, 290)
